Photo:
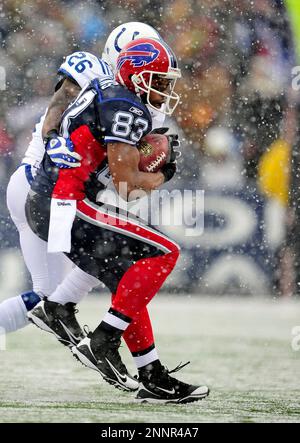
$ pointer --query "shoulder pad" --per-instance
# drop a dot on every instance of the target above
(83, 67)
(123, 116)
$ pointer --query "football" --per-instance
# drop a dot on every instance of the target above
(154, 152)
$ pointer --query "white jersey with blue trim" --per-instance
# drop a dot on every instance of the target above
(81, 67)
(36, 149)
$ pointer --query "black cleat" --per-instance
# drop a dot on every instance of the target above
(156, 386)
(59, 320)
(105, 359)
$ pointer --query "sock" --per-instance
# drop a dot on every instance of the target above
(13, 311)
(140, 340)
(30, 299)
(114, 322)
(113, 326)
(150, 367)
(145, 357)
(75, 286)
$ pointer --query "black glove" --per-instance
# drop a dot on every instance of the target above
(174, 144)
(162, 130)
(169, 170)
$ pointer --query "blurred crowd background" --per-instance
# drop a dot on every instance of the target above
(238, 120)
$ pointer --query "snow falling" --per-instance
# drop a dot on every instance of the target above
(237, 121)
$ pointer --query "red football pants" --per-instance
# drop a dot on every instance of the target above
(136, 289)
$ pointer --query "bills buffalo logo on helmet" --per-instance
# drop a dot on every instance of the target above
(139, 55)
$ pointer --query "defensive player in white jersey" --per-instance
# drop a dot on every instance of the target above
(48, 270)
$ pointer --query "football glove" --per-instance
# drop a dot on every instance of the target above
(169, 170)
(61, 151)
(174, 143)
(162, 130)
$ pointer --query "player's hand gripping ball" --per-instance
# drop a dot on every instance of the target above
(154, 152)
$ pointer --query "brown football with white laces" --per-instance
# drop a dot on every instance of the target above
(154, 152)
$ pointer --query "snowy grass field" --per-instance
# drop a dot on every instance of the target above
(240, 348)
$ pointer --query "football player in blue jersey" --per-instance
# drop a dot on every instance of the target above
(133, 259)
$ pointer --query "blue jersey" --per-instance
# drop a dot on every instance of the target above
(112, 112)
(104, 112)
